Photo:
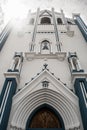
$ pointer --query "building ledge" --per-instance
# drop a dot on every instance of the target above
(76, 75)
(58, 55)
(15, 75)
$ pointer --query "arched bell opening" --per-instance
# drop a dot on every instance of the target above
(45, 20)
(59, 21)
(45, 117)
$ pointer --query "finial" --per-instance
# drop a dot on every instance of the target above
(61, 10)
(45, 66)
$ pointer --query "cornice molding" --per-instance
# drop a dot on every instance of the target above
(58, 55)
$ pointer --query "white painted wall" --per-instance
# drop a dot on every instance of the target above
(19, 41)
(20, 38)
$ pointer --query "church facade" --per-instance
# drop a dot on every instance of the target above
(43, 73)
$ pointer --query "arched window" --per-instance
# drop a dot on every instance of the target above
(59, 21)
(31, 22)
(45, 20)
(45, 46)
(45, 118)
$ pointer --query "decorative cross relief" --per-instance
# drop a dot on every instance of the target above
(45, 66)
(45, 83)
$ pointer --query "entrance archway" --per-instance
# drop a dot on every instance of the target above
(57, 102)
(45, 117)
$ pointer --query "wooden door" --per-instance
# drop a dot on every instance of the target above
(45, 118)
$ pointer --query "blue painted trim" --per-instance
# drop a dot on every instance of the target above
(45, 129)
(81, 28)
(72, 55)
(77, 71)
(6, 114)
(49, 107)
(3, 90)
(16, 70)
(82, 105)
(82, 22)
(6, 33)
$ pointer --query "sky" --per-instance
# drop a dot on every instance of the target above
(69, 6)
(21, 7)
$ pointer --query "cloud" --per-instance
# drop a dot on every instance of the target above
(69, 6)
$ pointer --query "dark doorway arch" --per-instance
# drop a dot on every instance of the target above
(45, 20)
(45, 117)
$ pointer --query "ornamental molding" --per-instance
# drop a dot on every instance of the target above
(32, 55)
(55, 82)
(67, 110)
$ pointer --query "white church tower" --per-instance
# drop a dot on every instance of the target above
(43, 73)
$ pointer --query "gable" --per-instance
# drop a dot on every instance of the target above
(35, 94)
(54, 84)
(45, 13)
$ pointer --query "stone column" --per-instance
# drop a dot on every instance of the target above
(56, 31)
(74, 63)
(35, 28)
(12, 65)
(65, 21)
(18, 57)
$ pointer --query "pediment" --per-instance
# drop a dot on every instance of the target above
(45, 13)
(54, 84)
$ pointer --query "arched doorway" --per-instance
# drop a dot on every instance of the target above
(59, 104)
(45, 117)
